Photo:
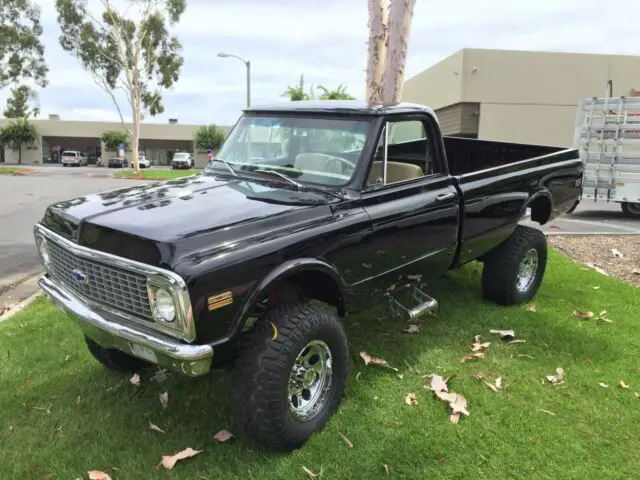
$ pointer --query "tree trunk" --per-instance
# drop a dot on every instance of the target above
(378, 15)
(136, 114)
(400, 16)
(20, 154)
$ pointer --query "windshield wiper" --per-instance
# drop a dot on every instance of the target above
(282, 175)
(235, 174)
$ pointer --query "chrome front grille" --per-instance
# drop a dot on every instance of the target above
(104, 284)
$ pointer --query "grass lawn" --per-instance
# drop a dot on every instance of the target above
(156, 174)
(13, 170)
(61, 413)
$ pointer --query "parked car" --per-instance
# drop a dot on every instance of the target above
(117, 162)
(221, 268)
(182, 160)
(73, 157)
(143, 162)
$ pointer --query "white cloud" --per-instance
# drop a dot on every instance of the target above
(327, 42)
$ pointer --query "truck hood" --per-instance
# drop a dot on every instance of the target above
(158, 222)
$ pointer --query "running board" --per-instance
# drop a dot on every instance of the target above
(408, 302)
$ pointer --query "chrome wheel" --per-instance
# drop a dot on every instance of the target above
(310, 380)
(527, 270)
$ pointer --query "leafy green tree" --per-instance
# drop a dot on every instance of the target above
(18, 133)
(297, 93)
(113, 138)
(339, 93)
(133, 51)
(209, 136)
(23, 103)
(21, 51)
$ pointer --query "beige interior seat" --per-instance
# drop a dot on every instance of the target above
(319, 162)
(396, 172)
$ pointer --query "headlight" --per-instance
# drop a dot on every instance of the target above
(162, 306)
(43, 248)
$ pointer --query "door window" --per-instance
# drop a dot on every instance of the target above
(405, 152)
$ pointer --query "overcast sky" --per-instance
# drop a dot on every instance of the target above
(326, 40)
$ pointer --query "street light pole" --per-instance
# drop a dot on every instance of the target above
(247, 64)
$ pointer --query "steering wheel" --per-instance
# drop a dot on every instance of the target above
(336, 163)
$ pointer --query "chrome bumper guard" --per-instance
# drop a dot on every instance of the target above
(106, 330)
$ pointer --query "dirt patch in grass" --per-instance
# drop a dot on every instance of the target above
(617, 255)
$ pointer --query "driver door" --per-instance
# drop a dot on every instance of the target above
(411, 201)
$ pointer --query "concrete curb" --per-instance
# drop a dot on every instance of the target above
(15, 308)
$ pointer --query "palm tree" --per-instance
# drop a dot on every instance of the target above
(339, 93)
(297, 93)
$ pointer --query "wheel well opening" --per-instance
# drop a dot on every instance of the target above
(316, 285)
(540, 210)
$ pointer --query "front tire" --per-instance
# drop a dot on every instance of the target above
(290, 375)
(115, 360)
(514, 270)
(631, 209)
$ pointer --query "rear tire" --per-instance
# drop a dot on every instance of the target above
(284, 389)
(514, 270)
(115, 360)
(631, 209)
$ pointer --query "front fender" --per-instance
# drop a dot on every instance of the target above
(285, 270)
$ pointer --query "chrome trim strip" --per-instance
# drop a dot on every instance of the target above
(184, 325)
(192, 360)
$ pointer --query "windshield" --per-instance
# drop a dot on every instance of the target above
(181, 156)
(321, 151)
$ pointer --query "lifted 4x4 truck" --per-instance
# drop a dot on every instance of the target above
(306, 212)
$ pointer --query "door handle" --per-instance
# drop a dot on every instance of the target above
(445, 196)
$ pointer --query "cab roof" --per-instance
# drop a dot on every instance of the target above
(349, 107)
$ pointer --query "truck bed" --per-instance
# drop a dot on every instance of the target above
(465, 155)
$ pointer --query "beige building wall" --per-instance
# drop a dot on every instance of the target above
(438, 86)
(523, 96)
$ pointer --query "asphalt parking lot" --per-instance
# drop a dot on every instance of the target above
(25, 198)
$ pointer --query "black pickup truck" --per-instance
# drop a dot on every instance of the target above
(307, 213)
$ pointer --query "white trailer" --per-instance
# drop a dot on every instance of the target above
(607, 135)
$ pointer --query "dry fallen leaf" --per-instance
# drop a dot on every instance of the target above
(488, 384)
(135, 380)
(454, 418)
(623, 385)
(603, 385)
(438, 384)
(375, 361)
(445, 396)
(459, 405)
(582, 315)
(223, 436)
(412, 329)
(386, 468)
(498, 383)
(477, 344)
(169, 461)
(635, 271)
(558, 377)
(411, 399)
(533, 308)
(98, 475)
(504, 333)
(155, 428)
(617, 253)
(310, 473)
(517, 340)
(164, 399)
(346, 440)
(415, 278)
(473, 356)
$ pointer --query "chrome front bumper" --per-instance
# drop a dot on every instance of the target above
(106, 330)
